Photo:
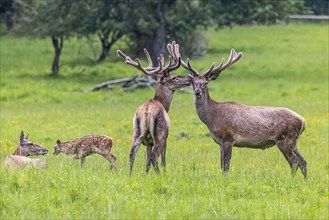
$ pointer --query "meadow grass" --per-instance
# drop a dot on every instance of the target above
(284, 65)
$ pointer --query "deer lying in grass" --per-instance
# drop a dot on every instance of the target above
(15, 161)
(151, 122)
(233, 124)
(80, 148)
(26, 148)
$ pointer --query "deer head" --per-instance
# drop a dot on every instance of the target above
(57, 147)
(200, 82)
(27, 148)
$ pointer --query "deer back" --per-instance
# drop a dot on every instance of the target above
(15, 161)
(149, 116)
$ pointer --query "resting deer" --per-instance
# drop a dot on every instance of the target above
(24, 149)
(233, 124)
(80, 148)
(15, 161)
(151, 122)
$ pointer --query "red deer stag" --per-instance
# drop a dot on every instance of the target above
(24, 149)
(233, 124)
(151, 122)
(80, 148)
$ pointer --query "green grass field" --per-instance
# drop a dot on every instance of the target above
(282, 66)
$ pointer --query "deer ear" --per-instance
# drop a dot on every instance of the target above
(27, 136)
(162, 79)
(58, 142)
(22, 136)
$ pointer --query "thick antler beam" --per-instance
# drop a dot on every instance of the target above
(150, 69)
(214, 73)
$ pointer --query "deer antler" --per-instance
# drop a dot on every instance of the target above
(213, 72)
(173, 50)
(150, 69)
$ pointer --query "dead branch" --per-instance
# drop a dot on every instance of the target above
(129, 83)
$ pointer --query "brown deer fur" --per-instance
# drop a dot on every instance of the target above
(24, 149)
(27, 148)
(80, 148)
(15, 161)
(151, 122)
(233, 124)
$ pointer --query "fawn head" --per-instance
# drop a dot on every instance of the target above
(57, 147)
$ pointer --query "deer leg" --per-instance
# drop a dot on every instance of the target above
(163, 158)
(148, 159)
(82, 161)
(154, 159)
(158, 149)
(301, 162)
(110, 158)
(226, 154)
(159, 136)
(136, 144)
(290, 156)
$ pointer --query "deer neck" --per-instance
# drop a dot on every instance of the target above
(164, 96)
(203, 106)
(19, 151)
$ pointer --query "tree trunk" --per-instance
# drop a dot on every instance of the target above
(159, 40)
(106, 43)
(9, 22)
(58, 45)
(104, 38)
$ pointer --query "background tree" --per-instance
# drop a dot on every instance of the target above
(154, 23)
(48, 18)
(7, 13)
(241, 12)
(106, 19)
(144, 23)
(319, 7)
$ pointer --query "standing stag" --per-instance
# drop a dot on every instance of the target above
(233, 124)
(24, 149)
(151, 122)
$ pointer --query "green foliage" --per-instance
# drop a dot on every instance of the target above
(226, 12)
(319, 7)
(45, 18)
(282, 66)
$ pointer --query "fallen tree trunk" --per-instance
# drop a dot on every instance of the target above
(128, 83)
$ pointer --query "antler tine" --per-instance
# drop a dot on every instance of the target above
(174, 55)
(177, 55)
(173, 50)
(148, 57)
(234, 57)
(150, 70)
(210, 69)
(176, 65)
(166, 69)
(190, 68)
(162, 60)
